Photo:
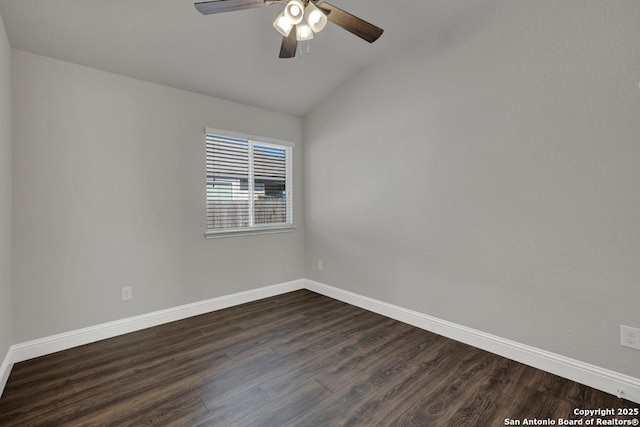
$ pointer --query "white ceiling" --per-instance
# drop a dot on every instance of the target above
(232, 55)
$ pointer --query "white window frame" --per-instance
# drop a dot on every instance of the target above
(254, 229)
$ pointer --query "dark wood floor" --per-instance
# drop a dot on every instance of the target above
(299, 359)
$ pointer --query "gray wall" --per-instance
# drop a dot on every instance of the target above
(5, 195)
(109, 192)
(489, 175)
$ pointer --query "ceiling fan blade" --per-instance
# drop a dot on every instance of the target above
(289, 45)
(351, 23)
(219, 6)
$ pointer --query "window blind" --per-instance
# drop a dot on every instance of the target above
(248, 184)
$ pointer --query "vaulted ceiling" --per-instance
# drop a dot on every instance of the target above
(231, 55)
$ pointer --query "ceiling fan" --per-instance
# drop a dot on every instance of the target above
(299, 20)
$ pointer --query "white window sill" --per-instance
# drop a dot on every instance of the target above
(247, 232)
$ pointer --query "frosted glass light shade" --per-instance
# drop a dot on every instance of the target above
(294, 11)
(283, 25)
(315, 18)
(303, 32)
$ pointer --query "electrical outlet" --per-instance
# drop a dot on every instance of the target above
(320, 265)
(630, 337)
(127, 293)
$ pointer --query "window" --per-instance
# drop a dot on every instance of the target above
(248, 184)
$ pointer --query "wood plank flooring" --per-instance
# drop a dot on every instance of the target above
(298, 359)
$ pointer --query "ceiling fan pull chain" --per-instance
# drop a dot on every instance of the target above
(308, 49)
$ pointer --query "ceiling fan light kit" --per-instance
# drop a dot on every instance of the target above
(307, 19)
(283, 25)
(315, 18)
(306, 16)
(294, 11)
(303, 32)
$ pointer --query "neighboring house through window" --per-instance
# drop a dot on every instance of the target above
(248, 184)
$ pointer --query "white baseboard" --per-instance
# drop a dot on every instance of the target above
(43, 346)
(593, 376)
(602, 379)
(5, 369)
